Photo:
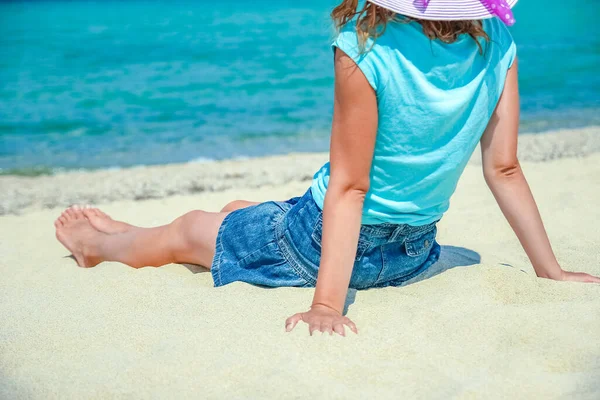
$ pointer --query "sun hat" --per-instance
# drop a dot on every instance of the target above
(451, 10)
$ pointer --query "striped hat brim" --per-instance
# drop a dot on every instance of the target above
(441, 10)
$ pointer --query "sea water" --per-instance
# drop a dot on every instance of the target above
(119, 83)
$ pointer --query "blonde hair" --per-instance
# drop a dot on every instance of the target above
(372, 20)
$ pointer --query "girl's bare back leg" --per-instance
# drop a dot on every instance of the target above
(93, 237)
(104, 223)
(238, 204)
(190, 239)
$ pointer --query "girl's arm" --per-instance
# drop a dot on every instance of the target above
(505, 178)
(352, 145)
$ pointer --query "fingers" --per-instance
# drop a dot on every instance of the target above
(351, 325)
(592, 279)
(339, 329)
(292, 321)
(319, 324)
(327, 328)
(315, 326)
(580, 277)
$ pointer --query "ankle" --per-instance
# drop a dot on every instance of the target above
(92, 254)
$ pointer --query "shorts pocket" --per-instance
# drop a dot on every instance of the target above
(405, 257)
(267, 267)
(317, 235)
(416, 246)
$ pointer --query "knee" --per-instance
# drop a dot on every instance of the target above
(185, 228)
(232, 206)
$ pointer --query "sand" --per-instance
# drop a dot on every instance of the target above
(19, 194)
(482, 327)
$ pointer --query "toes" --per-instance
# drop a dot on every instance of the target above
(76, 209)
(62, 220)
(69, 213)
(101, 213)
(89, 213)
(77, 212)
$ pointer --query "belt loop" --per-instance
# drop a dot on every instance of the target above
(397, 232)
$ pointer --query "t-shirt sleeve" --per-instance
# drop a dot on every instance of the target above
(508, 45)
(502, 41)
(370, 61)
(511, 54)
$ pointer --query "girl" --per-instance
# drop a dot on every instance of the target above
(417, 85)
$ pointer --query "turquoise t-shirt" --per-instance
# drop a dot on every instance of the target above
(434, 103)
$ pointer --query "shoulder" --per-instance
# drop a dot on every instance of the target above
(499, 33)
(370, 56)
(501, 41)
(388, 37)
(349, 41)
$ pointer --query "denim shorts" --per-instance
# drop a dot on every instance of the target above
(278, 244)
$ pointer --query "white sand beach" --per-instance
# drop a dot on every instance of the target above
(482, 327)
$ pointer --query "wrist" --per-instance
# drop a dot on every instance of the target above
(324, 305)
(330, 297)
(555, 273)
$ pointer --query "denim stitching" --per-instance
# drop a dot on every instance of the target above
(291, 259)
(397, 232)
(274, 223)
(383, 263)
(420, 232)
(313, 235)
(219, 250)
(284, 247)
(432, 259)
(411, 242)
(381, 230)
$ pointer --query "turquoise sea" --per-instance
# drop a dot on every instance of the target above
(118, 83)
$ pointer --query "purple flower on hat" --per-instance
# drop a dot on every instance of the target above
(499, 8)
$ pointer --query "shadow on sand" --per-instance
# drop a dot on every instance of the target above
(450, 257)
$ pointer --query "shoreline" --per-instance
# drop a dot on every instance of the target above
(24, 193)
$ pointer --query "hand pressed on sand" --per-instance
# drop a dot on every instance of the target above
(323, 319)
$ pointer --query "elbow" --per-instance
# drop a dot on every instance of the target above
(358, 193)
(355, 189)
(503, 171)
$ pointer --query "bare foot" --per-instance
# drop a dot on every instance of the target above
(102, 222)
(76, 233)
